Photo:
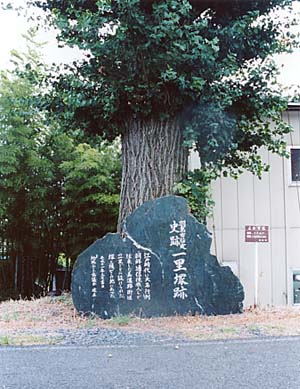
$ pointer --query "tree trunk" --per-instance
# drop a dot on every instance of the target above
(154, 160)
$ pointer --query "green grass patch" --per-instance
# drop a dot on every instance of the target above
(122, 320)
(228, 330)
(89, 323)
(4, 340)
(10, 316)
(65, 298)
(28, 340)
(253, 328)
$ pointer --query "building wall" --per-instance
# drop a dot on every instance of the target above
(271, 201)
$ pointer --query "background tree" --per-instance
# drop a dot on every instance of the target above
(22, 171)
(161, 71)
(44, 204)
(91, 194)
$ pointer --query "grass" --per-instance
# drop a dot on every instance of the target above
(11, 316)
(65, 299)
(90, 321)
(28, 340)
(21, 320)
(228, 330)
(121, 320)
(254, 328)
(4, 340)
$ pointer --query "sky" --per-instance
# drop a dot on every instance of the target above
(12, 26)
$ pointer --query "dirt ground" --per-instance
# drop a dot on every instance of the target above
(53, 313)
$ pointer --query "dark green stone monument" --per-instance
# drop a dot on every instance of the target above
(161, 266)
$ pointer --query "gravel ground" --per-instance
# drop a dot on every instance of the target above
(100, 336)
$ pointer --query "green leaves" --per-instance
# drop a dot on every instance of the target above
(198, 60)
(90, 194)
(169, 74)
(152, 58)
(57, 194)
(196, 189)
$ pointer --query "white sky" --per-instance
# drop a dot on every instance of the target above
(12, 26)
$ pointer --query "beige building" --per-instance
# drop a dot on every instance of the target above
(269, 271)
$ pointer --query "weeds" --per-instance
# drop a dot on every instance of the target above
(4, 340)
(28, 340)
(122, 320)
(90, 321)
(64, 298)
(10, 316)
(228, 330)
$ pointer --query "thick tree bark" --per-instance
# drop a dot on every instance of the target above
(154, 160)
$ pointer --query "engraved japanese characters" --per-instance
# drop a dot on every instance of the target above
(162, 266)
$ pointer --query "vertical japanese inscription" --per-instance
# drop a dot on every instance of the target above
(120, 277)
(111, 268)
(94, 275)
(102, 272)
(147, 272)
(129, 275)
(138, 275)
(178, 241)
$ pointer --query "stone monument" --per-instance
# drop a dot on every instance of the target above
(161, 265)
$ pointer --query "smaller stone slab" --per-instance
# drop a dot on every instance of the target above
(114, 276)
(162, 266)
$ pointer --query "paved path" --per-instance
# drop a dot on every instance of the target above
(272, 363)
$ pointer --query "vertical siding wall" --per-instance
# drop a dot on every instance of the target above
(270, 201)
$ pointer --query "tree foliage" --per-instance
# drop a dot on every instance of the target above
(90, 194)
(205, 61)
(23, 172)
(47, 183)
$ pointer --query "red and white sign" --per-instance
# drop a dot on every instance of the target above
(259, 234)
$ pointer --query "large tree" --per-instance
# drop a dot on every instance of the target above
(173, 74)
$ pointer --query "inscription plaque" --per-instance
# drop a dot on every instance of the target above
(160, 266)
